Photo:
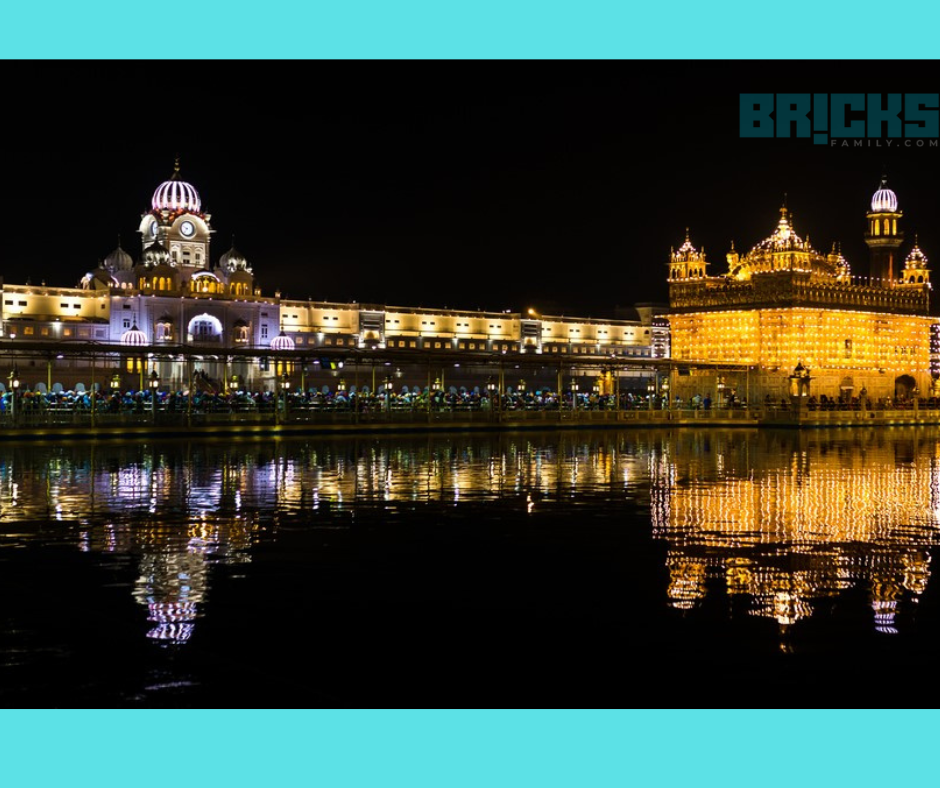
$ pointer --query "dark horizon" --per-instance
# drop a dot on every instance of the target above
(492, 185)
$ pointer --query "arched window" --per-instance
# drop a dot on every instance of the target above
(205, 328)
(887, 225)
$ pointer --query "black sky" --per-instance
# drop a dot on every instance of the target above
(498, 185)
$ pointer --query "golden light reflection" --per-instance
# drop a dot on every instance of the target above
(779, 521)
(788, 521)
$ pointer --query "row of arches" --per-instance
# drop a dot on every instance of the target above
(206, 283)
(202, 328)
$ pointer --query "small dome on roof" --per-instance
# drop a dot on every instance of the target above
(916, 258)
(134, 336)
(119, 260)
(282, 342)
(884, 200)
(233, 260)
(156, 254)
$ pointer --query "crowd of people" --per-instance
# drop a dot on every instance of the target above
(363, 401)
(402, 400)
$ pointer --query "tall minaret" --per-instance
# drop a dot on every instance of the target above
(882, 237)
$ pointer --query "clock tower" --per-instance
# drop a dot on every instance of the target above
(177, 222)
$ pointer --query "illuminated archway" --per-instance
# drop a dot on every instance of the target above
(205, 328)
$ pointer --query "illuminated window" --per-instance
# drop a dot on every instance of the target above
(67, 332)
(44, 332)
(28, 331)
(412, 344)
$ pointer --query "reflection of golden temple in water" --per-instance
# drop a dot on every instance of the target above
(781, 520)
(789, 521)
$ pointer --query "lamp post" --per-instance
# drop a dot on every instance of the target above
(116, 388)
(389, 385)
(154, 385)
(721, 391)
(574, 394)
(14, 385)
(491, 393)
(665, 388)
(285, 384)
(650, 391)
(436, 386)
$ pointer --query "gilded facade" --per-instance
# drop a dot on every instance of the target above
(784, 306)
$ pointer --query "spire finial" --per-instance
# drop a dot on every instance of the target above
(916, 242)
(732, 244)
(176, 167)
(687, 234)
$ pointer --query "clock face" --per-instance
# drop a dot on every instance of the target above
(187, 229)
(153, 229)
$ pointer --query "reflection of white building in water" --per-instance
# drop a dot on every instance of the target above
(177, 295)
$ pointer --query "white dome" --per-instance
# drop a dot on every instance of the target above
(884, 200)
(134, 336)
(156, 254)
(233, 260)
(176, 195)
(282, 342)
(119, 260)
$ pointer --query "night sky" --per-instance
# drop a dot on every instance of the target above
(493, 185)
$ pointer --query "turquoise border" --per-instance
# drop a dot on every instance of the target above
(584, 29)
(470, 749)
(458, 748)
